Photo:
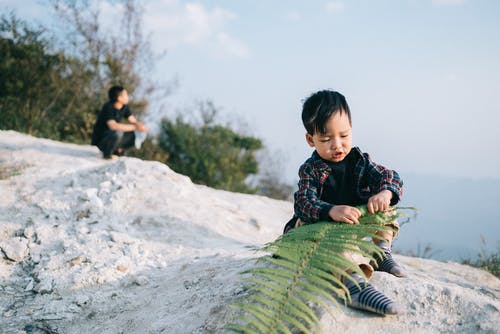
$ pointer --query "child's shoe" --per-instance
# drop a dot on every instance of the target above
(386, 262)
(367, 298)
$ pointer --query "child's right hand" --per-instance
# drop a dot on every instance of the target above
(345, 214)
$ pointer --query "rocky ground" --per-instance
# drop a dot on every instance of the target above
(129, 246)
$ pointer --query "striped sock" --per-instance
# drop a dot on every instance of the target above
(366, 297)
(386, 262)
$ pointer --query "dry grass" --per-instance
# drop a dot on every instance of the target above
(8, 170)
(489, 263)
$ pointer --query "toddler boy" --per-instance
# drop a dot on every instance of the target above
(336, 179)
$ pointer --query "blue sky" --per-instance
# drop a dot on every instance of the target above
(422, 77)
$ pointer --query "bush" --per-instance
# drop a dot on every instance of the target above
(489, 262)
(210, 153)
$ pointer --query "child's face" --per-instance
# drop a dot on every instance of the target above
(336, 143)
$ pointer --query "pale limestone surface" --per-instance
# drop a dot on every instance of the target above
(128, 246)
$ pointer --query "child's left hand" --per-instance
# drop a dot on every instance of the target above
(379, 202)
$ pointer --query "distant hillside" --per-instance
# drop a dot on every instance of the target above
(454, 215)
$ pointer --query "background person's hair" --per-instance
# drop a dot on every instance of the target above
(318, 108)
(114, 92)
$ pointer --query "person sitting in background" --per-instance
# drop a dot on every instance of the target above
(111, 136)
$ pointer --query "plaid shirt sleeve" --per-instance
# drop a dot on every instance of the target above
(308, 206)
(381, 178)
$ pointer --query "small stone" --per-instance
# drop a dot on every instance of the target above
(82, 214)
(45, 286)
(120, 238)
(30, 285)
(105, 185)
(78, 260)
(83, 230)
(36, 258)
(29, 233)
(255, 223)
(8, 314)
(140, 280)
(82, 300)
(88, 194)
(15, 249)
(122, 268)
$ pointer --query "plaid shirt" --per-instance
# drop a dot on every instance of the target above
(370, 180)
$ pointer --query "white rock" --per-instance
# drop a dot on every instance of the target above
(105, 185)
(82, 300)
(90, 193)
(121, 238)
(30, 285)
(29, 233)
(7, 229)
(196, 235)
(15, 249)
(140, 280)
(44, 286)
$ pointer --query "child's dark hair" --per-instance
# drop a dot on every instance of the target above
(114, 92)
(318, 108)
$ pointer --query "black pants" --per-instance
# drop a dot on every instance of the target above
(113, 140)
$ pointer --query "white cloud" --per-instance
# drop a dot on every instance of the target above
(448, 2)
(334, 7)
(174, 24)
(232, 46)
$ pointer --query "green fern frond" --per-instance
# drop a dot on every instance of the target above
(305, 270)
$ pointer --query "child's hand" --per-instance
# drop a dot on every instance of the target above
(379, 202)
(345, 214)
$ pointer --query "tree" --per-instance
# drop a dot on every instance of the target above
(36, 83)
(210, 153)
(53, 83)
(119, 56)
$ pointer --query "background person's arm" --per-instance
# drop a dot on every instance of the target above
(115, 126)
(140, 126)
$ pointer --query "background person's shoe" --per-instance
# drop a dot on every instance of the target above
(118, 153)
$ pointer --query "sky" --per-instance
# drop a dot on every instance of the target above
(422, 77)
